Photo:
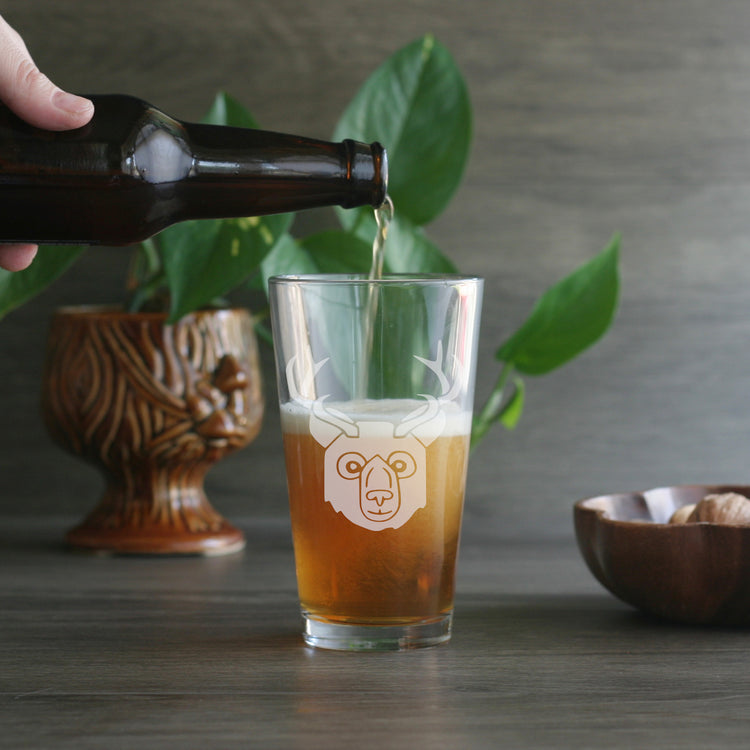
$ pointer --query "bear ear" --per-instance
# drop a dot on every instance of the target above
(327, 424)
(428, 431)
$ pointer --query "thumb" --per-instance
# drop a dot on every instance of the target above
(30, 94)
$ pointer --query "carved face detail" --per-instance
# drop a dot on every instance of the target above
(217, 403)
(131, 388)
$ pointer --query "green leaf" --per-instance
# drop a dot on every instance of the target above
(339, 252)
(417, 105)
(407, 247)
(408, 250)
(568, 318)
(226, 110)
(389, 376)
(287, 257)
(50, 263)
(208, 258)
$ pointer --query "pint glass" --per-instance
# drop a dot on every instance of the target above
(376, 381)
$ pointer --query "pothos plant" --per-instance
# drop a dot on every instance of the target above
(417, 104)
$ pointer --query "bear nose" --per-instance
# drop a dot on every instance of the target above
(379, 496)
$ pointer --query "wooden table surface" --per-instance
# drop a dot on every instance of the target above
(100, 651)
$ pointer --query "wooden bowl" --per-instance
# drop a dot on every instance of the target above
(694, 573)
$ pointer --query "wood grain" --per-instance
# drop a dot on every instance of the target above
(116, 652)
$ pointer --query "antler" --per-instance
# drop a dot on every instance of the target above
(325, 424)
(291, 378)
(430, 412)
(427, 412)
(448, 392)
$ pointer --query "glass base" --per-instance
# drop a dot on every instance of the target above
(357, 637)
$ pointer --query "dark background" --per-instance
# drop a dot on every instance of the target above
(590, 117)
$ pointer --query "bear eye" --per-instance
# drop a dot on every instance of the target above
(402, 463)
(349, 465)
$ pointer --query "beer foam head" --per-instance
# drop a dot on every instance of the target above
(378, 416)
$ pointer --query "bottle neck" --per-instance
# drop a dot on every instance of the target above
(280, 172)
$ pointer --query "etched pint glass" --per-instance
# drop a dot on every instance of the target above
(376, 382)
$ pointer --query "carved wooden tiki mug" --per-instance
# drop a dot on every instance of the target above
(154, 406)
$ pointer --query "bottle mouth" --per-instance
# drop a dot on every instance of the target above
(380, 158)
(368, 166)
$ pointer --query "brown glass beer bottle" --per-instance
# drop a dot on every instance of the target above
(132, 171)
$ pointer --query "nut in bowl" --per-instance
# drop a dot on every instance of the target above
(654, 552)
(729, 508)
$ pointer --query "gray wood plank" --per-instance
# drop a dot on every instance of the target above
(112, 652)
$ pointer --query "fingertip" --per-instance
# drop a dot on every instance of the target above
(75, 106)
(16, 257)
(51, 110)
(76, 110)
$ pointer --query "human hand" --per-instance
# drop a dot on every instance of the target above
(35, 99)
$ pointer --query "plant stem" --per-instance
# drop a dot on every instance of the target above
(151, 255)
(144, 274)
(145, 291)
(261, 329)
(493, 407)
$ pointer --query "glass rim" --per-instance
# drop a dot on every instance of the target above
(389, 279)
